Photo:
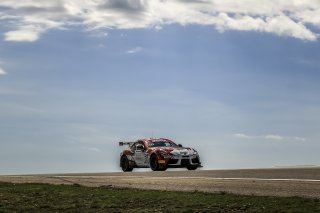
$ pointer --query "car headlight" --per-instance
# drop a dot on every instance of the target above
(174, 153)
(195, 152)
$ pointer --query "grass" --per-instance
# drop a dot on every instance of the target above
(75, 198)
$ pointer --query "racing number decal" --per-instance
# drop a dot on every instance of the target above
(140, 157)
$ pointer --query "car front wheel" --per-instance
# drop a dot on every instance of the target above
(154, 165)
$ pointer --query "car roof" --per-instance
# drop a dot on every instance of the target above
(155, 140)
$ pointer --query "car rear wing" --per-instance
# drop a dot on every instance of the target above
(126, 143)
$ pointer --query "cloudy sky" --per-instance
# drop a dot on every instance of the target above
(237, 80)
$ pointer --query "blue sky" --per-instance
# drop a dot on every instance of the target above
(237, 83)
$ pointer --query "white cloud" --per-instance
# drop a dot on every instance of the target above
(273, 137)
(288, 18)
(93, 149)
(241, 135)
(158, 27)
(2, 71)
(22, 35)
(298, 139)
(134, 50)
(285, 26)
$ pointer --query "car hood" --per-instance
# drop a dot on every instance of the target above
(175, 151)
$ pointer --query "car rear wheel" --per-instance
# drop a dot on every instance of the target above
(125, 164)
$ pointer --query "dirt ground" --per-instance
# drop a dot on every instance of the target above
(303, 182)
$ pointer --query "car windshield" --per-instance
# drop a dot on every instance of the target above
(162, 144)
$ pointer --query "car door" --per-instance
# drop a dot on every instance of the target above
(140, 155)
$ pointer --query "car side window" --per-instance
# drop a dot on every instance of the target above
(138, 146)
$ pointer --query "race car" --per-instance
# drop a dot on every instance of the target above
(157, 154)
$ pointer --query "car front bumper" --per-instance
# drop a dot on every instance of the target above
(184, 161)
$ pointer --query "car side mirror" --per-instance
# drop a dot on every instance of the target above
(179, 145)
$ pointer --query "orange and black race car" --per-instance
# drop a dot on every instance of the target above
(158, 154)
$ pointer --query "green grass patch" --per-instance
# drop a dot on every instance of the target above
(74, 198)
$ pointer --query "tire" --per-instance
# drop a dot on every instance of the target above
(163, 168)
(154, 165)
(125, 164)
(192, 167)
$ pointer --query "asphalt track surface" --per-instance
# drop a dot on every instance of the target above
(302, 182)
